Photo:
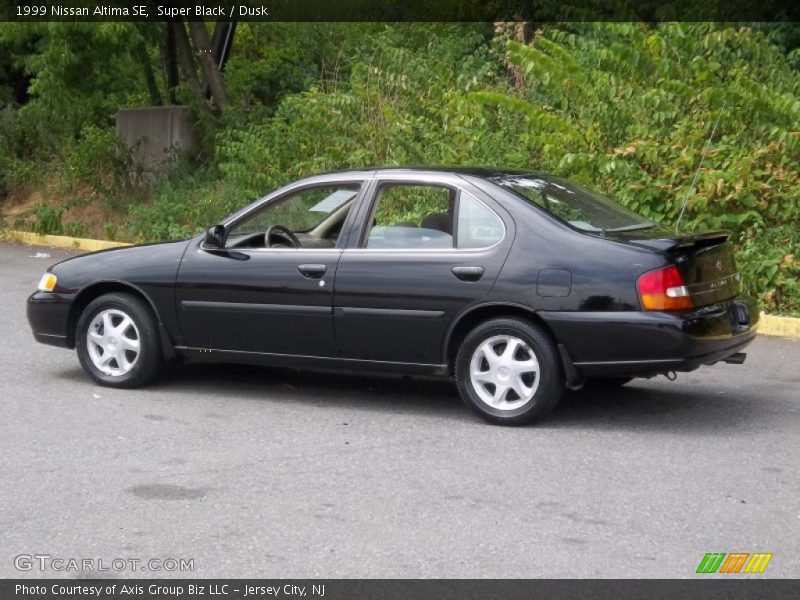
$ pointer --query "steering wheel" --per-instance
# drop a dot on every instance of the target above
(286, 238)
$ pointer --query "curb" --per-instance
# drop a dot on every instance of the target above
(59, 241)
(788, 327)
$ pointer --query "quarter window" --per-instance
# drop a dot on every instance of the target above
(478, 226)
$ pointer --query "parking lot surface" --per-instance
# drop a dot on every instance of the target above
(277, 473)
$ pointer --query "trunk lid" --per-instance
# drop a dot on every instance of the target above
(704, 259)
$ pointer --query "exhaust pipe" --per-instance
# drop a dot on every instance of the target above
(735, 359)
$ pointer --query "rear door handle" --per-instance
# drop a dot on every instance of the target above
(312, 271)
(468, 273)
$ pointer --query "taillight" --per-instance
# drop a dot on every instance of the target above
(663, 289)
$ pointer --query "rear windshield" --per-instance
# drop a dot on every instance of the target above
(582, 208)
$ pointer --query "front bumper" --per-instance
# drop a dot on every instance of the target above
(48, 315)
(642, 343)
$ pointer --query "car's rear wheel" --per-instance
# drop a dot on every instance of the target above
(508, 371)
(117, 341)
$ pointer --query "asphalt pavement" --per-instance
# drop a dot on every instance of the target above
(254, 472)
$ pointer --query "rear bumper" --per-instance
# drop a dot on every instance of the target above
(48, 315)
(641, 343)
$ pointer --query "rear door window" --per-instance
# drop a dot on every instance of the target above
(410, 216)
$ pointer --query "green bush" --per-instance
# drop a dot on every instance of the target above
(75, 229)
(768, 260)
(624, 107)
(47, 220)
(629, 108)
(182, 205)
(18, 169)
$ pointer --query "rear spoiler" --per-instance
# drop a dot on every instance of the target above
(670, 243)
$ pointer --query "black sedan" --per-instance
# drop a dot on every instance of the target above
(516, 284)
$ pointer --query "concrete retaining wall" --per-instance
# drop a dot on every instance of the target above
(156, 135)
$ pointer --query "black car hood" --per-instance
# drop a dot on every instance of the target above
(148, 249)
(138, 265)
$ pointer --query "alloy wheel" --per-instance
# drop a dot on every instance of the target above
(113, 342)
(504, 372)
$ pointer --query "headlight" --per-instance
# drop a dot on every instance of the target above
(47, 282)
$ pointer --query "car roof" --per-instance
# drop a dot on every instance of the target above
(488, 173)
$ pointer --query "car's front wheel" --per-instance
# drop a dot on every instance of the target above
(117, 341)
(508, 371)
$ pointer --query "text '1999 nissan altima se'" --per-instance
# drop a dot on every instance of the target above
(515, 284)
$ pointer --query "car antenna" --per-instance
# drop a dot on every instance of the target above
(700, 166)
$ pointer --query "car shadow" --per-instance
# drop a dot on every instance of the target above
(665, 406)
(393, 394)
(640, 405)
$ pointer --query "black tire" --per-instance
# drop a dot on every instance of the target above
(550, 378)
(148, 361)
(606, 383)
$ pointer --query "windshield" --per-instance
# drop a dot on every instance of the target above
(584, 209)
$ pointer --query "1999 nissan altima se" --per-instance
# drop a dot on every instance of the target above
(516, 284)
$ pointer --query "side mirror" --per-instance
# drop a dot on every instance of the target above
(215, 236)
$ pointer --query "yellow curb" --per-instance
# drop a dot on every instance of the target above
(59, 241)
(782, 326)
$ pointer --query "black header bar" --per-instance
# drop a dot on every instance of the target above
(401, 10)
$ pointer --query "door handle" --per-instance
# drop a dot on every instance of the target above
(312, 271)
(468, 273)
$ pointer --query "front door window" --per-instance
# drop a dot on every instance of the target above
(312, 216)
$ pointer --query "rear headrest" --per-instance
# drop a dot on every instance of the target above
(439, 221)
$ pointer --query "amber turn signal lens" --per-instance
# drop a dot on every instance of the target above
(664, 289)
(47, 283)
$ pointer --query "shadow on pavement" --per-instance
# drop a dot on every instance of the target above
(677, 407)
(319, 389)
(640, 405)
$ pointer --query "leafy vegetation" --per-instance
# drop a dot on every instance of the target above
(623, 107)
